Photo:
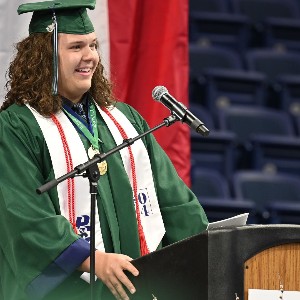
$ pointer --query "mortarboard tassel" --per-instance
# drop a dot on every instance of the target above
(53, 28)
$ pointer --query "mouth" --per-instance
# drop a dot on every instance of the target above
(83, 70)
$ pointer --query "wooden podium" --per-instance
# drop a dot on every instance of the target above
(220, 263)
(270, 267)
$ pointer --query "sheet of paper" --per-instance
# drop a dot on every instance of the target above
(272, 295)
(235, 221)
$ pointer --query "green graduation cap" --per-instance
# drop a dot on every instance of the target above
(71, 16)
(64, 16)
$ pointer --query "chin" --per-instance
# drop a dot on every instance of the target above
(84, 88)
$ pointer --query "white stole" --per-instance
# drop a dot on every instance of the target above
(151, 218)
(81, 185)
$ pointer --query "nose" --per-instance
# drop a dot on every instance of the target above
(89, 54)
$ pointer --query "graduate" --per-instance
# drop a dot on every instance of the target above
(59, 111)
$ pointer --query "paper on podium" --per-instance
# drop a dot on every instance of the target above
(235, 221)
(254, 294)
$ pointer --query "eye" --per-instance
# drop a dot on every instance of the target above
(76, 47)
(94, 46)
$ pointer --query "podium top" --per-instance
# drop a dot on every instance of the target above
(209, 265)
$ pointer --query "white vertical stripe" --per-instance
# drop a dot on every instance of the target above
(100, 19)
(13, 28)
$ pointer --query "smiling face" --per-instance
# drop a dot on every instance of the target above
(78, 59)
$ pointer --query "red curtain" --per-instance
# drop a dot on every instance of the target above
(149, 47)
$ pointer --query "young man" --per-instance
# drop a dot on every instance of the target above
(142, 204)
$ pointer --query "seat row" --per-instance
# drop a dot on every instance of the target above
(246, 23)
(220, 77)
(247, 138)
(253, 8)
(268, 198)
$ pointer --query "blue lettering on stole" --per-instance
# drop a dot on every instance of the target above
(83, 226)
(144, 203)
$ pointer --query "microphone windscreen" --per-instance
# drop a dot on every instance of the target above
(158, 92)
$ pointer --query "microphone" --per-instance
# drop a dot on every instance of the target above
(161, 94)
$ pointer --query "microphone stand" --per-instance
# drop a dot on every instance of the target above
(92, 173)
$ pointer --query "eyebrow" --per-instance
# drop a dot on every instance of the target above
(83, 42)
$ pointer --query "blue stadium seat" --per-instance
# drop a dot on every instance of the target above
(284, 212)
(208, 57)
(275, 154)
(263, 136)
(208, 6)
(234, 87)
(275, 195)
(203, 114)
(259, 11)
(208, 183)
(214, 151)
(211, 23)
(204, 58)
(297, 121)
(248, 121)
(278, 67)
(273, 63)
(218, 209)
(289, 94)
(282, 34)
(212, 190)
(217, 79)
(219, 29)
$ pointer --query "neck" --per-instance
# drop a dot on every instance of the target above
(73, 101)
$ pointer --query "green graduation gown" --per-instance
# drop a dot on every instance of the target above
(34, 235)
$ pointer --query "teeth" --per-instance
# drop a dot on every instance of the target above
(83, 70)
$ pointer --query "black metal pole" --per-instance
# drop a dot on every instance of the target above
(93, 175)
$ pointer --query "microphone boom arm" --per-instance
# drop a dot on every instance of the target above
(102, 156)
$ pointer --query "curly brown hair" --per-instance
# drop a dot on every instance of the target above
(30, 77)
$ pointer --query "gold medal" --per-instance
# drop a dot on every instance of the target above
(102, 166)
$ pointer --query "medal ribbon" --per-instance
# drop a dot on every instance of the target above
(143, 244)
(92, 133)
